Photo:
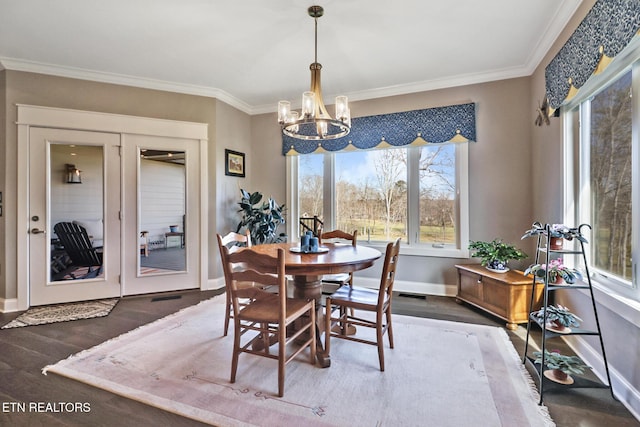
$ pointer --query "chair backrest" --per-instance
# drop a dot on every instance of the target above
(258, 268)
(313, 224)
(234, 240)
(342, 235)
(389, 271)
(77, 244)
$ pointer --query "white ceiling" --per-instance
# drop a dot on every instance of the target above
(251, 53)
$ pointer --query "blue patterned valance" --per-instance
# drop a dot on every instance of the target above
(605, 31)
(454, 123)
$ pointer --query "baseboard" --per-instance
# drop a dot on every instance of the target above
(214, 284)
(409, 287)
(8, 305)
(402, 286)
(623, 390)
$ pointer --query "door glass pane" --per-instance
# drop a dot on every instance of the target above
(611, 178)
(437, 194)
(162, 211)
(76, 211)
(371, 193)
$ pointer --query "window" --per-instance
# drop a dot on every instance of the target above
(437, 194)
(606, 196)
(310, 186)
(610, 177)
(416, 193)
(373, 182)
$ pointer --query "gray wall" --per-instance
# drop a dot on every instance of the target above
(5, 245)
(38, 89)
(511, 183)
(516, 175)
(233, 132)
(620, 327)
(500, 169)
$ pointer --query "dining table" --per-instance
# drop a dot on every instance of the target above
(307, 270)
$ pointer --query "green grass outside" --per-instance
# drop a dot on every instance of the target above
(369, 231)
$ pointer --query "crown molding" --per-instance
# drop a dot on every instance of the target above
(121, 79)
(551, 34)
(424, 86)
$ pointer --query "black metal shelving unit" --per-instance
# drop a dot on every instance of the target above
(543, 250)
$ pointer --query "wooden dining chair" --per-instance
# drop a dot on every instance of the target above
(233, 241)
(331, 282)
(267, 315)
(378, 301)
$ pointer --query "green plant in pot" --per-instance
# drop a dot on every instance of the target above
(556, 272)
(494, 255)
(560, 366)
(261, 217)
(555, 233)
(559, 318)
(555, 230)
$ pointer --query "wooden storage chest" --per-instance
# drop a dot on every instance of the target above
(505, 295)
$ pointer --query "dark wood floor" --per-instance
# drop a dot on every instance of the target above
(25, 351)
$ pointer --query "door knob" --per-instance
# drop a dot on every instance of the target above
(37, 231)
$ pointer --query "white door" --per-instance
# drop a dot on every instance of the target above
(74, 178)
(161, 207)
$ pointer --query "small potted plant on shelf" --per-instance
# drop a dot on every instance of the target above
(556, 272)
(560, 366)
(559, 318)
(555, 233)
(494, 255)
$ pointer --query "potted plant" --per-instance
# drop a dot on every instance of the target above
(555, 233)
(560, 366)
(261, 218)
(494, 255)
(558, 318)
(556, 271)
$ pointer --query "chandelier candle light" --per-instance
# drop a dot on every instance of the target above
(314, 122)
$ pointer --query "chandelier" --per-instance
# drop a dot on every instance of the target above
(314, 122)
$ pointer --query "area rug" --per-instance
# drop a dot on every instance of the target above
(63, 313)
(439, 374)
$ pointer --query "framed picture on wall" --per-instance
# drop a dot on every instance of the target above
(233, 163)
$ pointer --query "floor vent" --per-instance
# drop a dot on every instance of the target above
(416, 296)
(165, 298)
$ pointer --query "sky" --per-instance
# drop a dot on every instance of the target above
(354, 167)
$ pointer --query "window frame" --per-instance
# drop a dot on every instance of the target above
(412, 247)
(576, 122)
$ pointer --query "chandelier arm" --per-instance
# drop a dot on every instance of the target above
(291, 129)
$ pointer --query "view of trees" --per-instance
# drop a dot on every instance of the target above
(437, 194)
(611, 183)
(374, 201)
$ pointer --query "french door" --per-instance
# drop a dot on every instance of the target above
(134, 187)
(161, 208)
(74, 178)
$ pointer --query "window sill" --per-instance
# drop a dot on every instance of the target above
(623, 306)
(422, 250)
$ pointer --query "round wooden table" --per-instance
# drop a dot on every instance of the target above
(307, 271)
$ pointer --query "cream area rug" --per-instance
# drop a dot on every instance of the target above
(439, 374)
(63, 313)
